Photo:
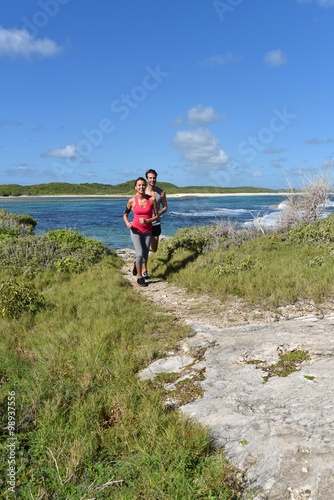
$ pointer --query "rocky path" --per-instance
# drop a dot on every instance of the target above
(281, 431)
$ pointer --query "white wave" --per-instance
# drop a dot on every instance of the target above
(219, 212)
(267, 221)
(282, 205)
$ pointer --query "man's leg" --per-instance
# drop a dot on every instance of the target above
(154, 244)
(156, 231)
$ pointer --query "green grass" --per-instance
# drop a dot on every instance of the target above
(86, 426)
(288, 363)
(272, 270)
(187, 390)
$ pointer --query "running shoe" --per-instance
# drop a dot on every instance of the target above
(141, 282)
(134, 269)
(146, 276)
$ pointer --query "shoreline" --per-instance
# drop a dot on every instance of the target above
(175, 195)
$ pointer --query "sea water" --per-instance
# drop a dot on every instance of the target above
(102, 217)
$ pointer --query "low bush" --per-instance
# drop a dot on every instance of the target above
(68, 236)
(221, 234)
(15, 298)
(310, 203)
(189, 238)
(15, 225)
(319, 233)
(231, 265)
(64, 250)
(70, 265)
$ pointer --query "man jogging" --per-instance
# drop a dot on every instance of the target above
(160, 197)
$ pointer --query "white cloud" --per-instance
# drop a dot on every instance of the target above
(90, 174)
(201, 114)
(68, 152)
(276, 164)
(200, 150)
(275, 58)
(219, 60)
(301, 171)
(20, 43)
(257, 174)
(126, 171)
(273, 151)
(321, 3)
(39, 128)
(23, 170)
(177, 121)
(10, 123)
(325, 3)
(315, 141)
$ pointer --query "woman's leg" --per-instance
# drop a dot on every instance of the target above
(146, 244)
(141, 242)
(148, 250)
(138, 243)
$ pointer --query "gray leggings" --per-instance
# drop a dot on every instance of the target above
(141, 242)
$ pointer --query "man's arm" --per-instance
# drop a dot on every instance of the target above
(163, 203)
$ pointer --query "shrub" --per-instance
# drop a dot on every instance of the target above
(190, 238)
(70, 265)
(16, 225)
(221, 234)
(309, 205)
(317, 233)
(230, 265)
(6, 233)
(30, 253)
(66, 235)
(16, 298)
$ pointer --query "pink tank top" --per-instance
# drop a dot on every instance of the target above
(145, 212)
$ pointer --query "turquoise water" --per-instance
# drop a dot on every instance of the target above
(102, 218)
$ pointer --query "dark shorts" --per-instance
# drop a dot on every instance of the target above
(156, 230)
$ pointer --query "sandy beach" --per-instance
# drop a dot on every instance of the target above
(175, 195)
(204, 195)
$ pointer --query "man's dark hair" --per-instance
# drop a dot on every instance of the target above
(151, 171)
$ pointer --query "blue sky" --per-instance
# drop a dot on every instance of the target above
(207, 92)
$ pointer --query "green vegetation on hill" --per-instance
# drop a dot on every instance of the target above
(126, 188)
(73, 337)
(215, 189)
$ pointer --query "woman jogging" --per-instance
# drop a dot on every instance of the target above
(142, 206)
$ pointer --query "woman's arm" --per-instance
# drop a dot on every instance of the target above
(128, 209)
(155, 210)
